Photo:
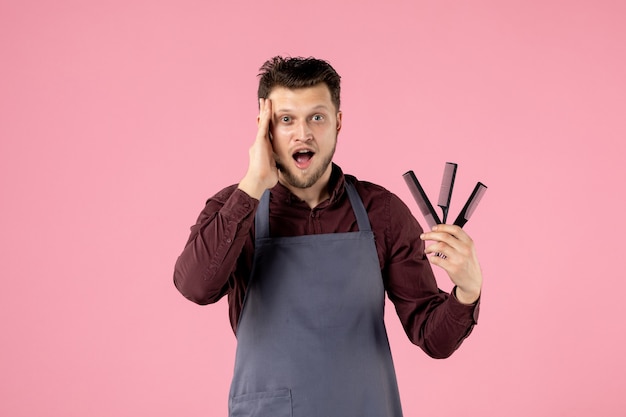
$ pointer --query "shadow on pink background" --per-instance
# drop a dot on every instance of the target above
(118, 120)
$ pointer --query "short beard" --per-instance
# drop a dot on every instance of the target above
(309, 181)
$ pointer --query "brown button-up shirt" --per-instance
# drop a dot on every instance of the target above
(217, 259)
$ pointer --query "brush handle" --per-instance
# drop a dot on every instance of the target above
(444, 212)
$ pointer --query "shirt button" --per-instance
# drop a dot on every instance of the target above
(228, 240)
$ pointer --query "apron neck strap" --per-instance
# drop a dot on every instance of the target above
(262, 216)
(359, 209)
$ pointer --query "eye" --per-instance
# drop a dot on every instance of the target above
(285, 119)
(318, 118)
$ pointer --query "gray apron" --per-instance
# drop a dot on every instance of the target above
(311, 340)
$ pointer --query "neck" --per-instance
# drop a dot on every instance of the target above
(312, 195)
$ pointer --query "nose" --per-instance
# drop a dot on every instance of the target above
(303, 131)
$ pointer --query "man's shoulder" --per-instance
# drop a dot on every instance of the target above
(368, 188)
(375, 195)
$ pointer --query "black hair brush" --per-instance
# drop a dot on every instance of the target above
(445, 195)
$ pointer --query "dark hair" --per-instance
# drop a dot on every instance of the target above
(298, 72)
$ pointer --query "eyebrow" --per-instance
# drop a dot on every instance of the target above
(288, 110)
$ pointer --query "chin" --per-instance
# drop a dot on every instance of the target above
(302, 179)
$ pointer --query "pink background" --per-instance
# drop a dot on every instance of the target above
(119, 118)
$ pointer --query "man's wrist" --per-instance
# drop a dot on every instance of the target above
(466, 297)
(251, 188)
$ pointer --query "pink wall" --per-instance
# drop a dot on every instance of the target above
(119, 118)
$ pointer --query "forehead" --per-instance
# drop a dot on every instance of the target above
(301, 98)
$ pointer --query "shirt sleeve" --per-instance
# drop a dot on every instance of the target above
(204, 269)
(432, 319)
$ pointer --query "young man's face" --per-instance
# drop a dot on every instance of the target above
(304, 129)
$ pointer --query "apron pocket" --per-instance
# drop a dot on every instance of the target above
(261, 404)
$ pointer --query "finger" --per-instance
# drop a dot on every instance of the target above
(453, 230)
(444, 256)
(443, 240)
(450, 234)
(265, 115)
(440, 249)
(440, 259)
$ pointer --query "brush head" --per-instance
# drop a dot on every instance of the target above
(478, 195)
(421, 199)
(471, 204)
(447, 183)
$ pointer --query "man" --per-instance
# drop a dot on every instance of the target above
(305, 255)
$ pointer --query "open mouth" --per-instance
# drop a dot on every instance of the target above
(303, 158)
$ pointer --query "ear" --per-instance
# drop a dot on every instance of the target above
(339, 116)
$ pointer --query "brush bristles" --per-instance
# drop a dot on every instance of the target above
(478, 195)
(421, 199)
(447, 182)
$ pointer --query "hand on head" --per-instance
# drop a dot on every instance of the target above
(262, 171)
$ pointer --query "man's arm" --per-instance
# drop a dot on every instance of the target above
(210, 256)
(436, 321)
(203, 270)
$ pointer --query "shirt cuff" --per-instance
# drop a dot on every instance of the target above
(239, 206)
(464, 312)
